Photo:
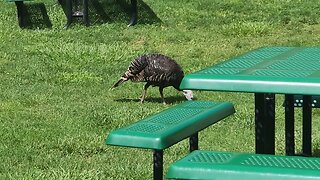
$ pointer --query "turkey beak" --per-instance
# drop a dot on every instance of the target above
(188, 94)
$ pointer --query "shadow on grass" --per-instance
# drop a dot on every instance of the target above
(63, 4)
(110, 11)
(316, 152)
(106, 11)
(36, 17)
(169, 99)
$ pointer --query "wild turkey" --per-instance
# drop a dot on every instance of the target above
(157, 70)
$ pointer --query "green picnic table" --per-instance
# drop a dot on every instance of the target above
(72, 11)
(84, 12)
(265, 72)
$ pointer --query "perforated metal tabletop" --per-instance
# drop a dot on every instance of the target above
(265, 72)
(281, 70)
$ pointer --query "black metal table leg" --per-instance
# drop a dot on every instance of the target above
(194, 142)
(158, 164)
(289, 125)
(79, 13)
(20, 13)
(265, 123)
(85, 12)
(306, 126)
(68, 13)
(134, 13)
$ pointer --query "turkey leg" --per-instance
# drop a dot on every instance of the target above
(161, 94)
(144, 92)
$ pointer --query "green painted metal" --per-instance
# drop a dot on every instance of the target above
(170, 126)
(281, 70)
(229, 166)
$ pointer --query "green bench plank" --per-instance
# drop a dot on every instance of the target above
(166, 128)
(226, 166)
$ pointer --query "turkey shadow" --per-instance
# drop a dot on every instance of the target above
(35, 16)
(169, 99)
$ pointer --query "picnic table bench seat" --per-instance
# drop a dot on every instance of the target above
(164, 129)
(213, 165)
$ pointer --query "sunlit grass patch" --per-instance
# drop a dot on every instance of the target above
(240, 29)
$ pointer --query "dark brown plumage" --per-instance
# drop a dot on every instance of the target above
(154, 69)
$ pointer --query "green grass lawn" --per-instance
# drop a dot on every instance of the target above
(55, 104)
